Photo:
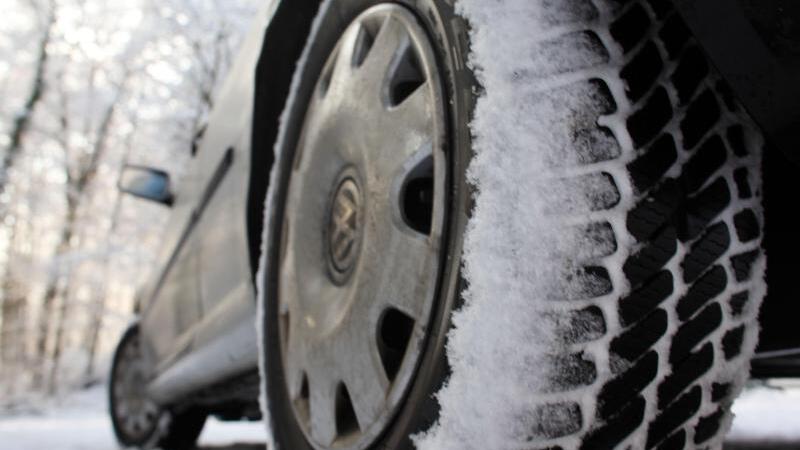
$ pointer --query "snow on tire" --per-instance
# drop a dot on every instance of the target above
(614, 255)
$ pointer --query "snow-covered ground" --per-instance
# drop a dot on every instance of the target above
(80, 422)
(767, 417)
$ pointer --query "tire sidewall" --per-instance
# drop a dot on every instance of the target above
(448, 34)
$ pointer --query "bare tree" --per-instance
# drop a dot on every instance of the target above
(46, 12)
(13, 307)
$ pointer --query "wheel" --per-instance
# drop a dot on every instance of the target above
(138, 421)
(612, 264)
(369, 197)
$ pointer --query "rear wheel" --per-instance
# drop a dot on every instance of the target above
(614, 263)
(137, 420)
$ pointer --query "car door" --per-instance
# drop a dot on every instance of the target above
(171, 301)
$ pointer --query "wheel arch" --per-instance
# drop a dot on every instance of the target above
(282, 46)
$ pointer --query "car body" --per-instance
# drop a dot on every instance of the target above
(197, 313)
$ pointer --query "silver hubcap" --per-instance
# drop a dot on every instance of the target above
(361, 235)
(136, 415)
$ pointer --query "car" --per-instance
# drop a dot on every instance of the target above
(483, 225)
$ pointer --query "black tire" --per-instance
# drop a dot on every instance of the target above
(644, 368)
(170, 430)
(183, 430)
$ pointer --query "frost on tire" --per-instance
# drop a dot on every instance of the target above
(614, 254)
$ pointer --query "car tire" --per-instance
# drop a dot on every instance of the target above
(656, 350)
(153, 427)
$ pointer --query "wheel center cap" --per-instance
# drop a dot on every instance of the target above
(344, 228)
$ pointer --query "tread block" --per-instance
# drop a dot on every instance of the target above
(684, 374)
(649, 168)
(653, 212)
(711, 284)
(704, 163)
(673, 417)
(707, 427)
(555, 420)
(631, 27)
(704, 207)
(732, 342)
(583, 283)
(642, 71)
(740, 177)
(575, 111)
(710, 247)
(743, 264)
(637, 340)
(676, 441)
(602, 237)
(596, 281)
(738, 302)
(641, 302)
(598, 191)
(746, 224)
(674, 34)
(625, 388)
(735, 135)
(606, 195)
(651, 258)
(578, 50)
(570, 372)
(720, 391)
(645, 124)
(691, 333)
(691, 71)
(580, 326)
(661, 8)
(569, 11)
(616, 430)
(700, 116)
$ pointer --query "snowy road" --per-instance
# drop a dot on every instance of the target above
(766, 419)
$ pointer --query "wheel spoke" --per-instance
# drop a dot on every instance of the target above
(415, 114)
(323, 415)
(343, 64)
(367, 382)
(391, 41)
(293, 368)
(407, 285)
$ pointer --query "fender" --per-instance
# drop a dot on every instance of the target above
(755, 44)
(284, 41)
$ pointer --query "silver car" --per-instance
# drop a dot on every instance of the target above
(316, 248)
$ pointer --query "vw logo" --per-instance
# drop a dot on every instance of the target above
(344, 228)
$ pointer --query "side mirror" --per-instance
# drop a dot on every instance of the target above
(147, 183)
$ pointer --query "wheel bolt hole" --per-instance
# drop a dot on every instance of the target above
(407, 78)
(417, 197)
(346, 422)
(394, 334)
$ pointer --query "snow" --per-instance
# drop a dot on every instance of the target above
(767, 413)
(764, 415)
(516, 252)
(80, 422)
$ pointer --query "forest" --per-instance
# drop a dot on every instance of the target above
(88, 86)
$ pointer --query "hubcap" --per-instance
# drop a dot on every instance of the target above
(361, 237)
(136, 415)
